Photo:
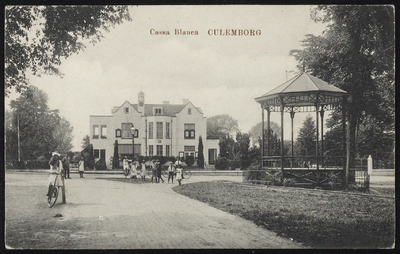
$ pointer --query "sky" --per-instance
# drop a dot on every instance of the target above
(220, 74)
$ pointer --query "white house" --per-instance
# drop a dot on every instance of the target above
(162, 129)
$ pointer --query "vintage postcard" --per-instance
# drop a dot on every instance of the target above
(199, 127)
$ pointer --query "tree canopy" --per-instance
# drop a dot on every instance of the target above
(356, 53)
(306, 138)
(37, 38)
(41, 130)
(221, 125)
(255, 131)
(85, 141)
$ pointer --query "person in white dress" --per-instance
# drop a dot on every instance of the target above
(81, 167)
(125, 164)
(133, 170)
(179, 172)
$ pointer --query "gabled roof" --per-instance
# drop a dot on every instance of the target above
(168, 109)
(115, 109)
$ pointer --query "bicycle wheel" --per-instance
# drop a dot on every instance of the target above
(165, 174)
(53, 197)
(187, 174)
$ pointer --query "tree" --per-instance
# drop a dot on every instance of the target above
(89, 159)
(63, 136)
(227, 146)
(333, 138)
(221, 125)
(38, 37)
(37, 125)
(355, 53)
(306, 138)
(85, 142)
(243, 146)
(274, 143)
(228, 153)
(200, 159)
(115, 161)
(255, 131)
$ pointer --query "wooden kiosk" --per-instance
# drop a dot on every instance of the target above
(304, 93)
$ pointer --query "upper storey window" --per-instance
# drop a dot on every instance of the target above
(189, 131)
(158, 111)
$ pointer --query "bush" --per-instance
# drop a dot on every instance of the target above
(222, 163)
(257, 175)
(289, 182)
(100, 165)
(189, 160)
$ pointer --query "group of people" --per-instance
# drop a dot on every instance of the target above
(132, 168)
(60, 165)
(175, 169)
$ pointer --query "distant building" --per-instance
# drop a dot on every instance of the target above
(162, 129)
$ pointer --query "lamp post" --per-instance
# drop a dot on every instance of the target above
(133, 132)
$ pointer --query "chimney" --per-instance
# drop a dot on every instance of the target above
(185, 101)
(114, 110)
(165, 102)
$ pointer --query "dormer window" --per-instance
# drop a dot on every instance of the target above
(158, 111)
(126, 110)
(189, 111)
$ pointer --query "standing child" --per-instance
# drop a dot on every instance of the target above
(159, 177)
(81, 167)
(171, 172)
(179, 174)
(154, 171)
(133, 169)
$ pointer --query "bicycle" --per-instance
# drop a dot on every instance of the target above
(52, 198)
(186, 173)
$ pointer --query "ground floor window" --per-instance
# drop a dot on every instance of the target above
(190, 151)
(99, 154)
(159, 150)
(167, 150)
(125, 150)
(151, 151)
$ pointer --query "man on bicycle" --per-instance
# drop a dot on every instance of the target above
(55, 169)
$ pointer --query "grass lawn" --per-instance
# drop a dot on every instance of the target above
(316, 218)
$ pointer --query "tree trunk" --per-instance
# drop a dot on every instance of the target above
(351, 137)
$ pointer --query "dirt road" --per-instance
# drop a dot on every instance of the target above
(104, 214)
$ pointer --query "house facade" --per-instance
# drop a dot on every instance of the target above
(161, 129)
